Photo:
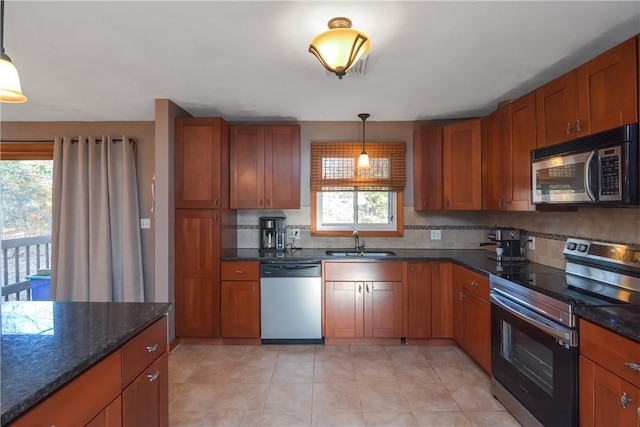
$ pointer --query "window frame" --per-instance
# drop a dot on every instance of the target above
(399, 215)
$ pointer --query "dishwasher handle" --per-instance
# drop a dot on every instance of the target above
(290, 270)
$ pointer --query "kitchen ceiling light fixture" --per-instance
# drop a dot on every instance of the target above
(363, 160)
(339, 48)
(10, 90)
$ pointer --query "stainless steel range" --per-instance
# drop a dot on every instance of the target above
(534, 334)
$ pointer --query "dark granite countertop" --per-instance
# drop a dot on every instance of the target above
(44, 345)
(624, 320)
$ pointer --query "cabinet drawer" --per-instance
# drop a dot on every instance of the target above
(142, 350)
(472, 281)
(240, 270)
(81, 400)
(610, 350)
(363, 271)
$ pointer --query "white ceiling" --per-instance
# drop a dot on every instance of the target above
(92, 60)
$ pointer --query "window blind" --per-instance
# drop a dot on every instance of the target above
(334, 166)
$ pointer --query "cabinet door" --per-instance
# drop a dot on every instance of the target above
(197, 287)
(477, 329)
(383, 309)
(200, 145)
(607, 89)
(462, 164)
(146, 401)
(556, 111)
(496, 184)
(441, 300)
(601, 397)
(427, 168)
(240, 309)
(344, 309)
(111, 416)
(247, 167)
(282, 167)
(522, 140)
(419, 287)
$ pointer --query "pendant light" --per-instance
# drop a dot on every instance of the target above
(10, 90)
(339, 48)
(363, 160)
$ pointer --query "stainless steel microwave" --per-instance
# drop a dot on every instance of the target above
(597, 169)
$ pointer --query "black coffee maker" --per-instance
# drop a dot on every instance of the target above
(272, 233)
(511, 244)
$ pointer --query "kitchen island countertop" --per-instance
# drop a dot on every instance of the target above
(46, 344)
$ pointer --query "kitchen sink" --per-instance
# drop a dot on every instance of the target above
(361, 254)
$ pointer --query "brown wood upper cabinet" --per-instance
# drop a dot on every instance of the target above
(427, 168)
(462, 177)
(599, 95)
(508, 136)
(265, 167)
(201, 163)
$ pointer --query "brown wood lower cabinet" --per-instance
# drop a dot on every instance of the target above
(429, 302)
(101, 396)
(240, 299)
(363, 300)
(609, 387)
(472, 315)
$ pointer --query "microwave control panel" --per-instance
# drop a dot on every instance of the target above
(610, 173)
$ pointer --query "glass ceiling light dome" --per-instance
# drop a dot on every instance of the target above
(339, 48)
(10, 90)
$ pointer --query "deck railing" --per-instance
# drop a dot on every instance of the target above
(20, 258)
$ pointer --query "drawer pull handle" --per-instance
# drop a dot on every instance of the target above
(624, 399)
(474, 283)
(152, 348)
(239, 272)
(153, 377)
(462, 296)
(633, 366)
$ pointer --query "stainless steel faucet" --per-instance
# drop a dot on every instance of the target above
(358, 245)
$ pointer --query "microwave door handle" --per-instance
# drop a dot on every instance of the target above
(588, 172)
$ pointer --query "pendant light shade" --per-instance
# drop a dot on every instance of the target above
(339, 48)
(10, 90)
(363, 160)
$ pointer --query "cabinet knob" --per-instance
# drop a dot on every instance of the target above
(268, 202)
(153, 377)
(424, 203)
(461, 296)
(569, 128)
(474, 283)
(360, 288)
(411, 270)
(367, 287)
(215, 201)
(152, 348)
(435, 269)
(254, 289)
(578, 126)
(625, 400)
(261, 202)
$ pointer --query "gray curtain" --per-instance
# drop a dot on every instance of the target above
(96, 251)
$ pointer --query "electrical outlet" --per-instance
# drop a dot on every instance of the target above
(532, 243)
(436, 234)
(145, 223)
(296, 234)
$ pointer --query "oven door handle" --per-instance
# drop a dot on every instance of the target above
(561, 333)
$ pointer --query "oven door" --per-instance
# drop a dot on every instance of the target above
(535, 360)
(565, 179)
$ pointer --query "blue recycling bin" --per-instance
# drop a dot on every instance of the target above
(40, 287)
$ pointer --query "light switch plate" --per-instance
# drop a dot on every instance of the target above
(532, 243)
(436, 234)
(145, 223)
(295, 233)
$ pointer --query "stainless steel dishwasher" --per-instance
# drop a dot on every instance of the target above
(291, 302)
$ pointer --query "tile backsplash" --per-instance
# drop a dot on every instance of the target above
(466, 229)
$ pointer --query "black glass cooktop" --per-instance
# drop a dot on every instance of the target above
(573, 289)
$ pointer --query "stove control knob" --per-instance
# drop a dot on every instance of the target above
(571, 246)
(582, 248)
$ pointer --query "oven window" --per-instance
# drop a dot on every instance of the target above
(527, 355)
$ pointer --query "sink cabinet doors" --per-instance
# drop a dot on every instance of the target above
(363, 299)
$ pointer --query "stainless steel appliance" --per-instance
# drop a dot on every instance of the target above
(272, 233)
(534, 333)
(512, 242)
(291, 302)
(595, 169)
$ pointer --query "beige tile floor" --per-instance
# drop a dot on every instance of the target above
(329, 386)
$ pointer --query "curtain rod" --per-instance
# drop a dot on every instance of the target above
(52, 141)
